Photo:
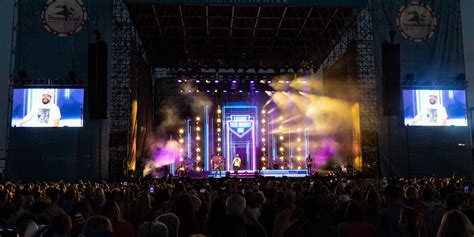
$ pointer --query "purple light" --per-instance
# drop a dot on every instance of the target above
(252, 82)
(234, 81)
(287, 82)
(240, 91)
(256, 91)
(198, 81)
(180, 81)
(269, 82)
(225, 91)
(216, 81)
(208, 91)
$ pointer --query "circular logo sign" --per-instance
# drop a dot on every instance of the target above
(416, 21)
(64, 17)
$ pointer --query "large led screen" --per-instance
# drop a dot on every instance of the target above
(47, 107)
(435, 107)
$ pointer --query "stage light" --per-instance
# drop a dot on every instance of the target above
(299, 139)
(207, 81)
(251, 82)
(198, 169)
(219, 149)
(234, 81)
(263, 149)
(263, 111)
(282, 149)
(208, 91)
(198, 149)
(180, 81)
(181, 150)
(263, 158)
(198, 129)
(218, 120)
(218, 139)
(263, 139)
(281, 157)
(181, 131)
(299, 167)
(281, 137)
(287, 82)
(181, 159)
(298, 158)
(181, 91)
(216, 91)
(263, 129)
(280, 81)
(219, 129)
(263, 120)
(240, 91)
(219, 111)
(225, 91)
(264, 168)
(269, 82)
(299, 129)
(256, 91)
(282, 167)
(298, 149)
(189, 91)
(198, 81)
(198, 158)
(281, 118)
(198, 138)
(197, 91)
(197, 118)
(216, 81)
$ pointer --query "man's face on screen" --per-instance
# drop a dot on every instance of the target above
(433, 99)
(46, 99)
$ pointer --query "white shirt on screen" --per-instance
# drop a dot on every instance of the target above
(431, 115)
(44, 115)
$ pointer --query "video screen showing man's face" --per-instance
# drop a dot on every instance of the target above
(47, 107)
(434, 107)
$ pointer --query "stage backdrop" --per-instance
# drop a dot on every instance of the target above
(59, 153)
(431, 49)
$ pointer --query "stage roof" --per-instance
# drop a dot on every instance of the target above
(241, 34)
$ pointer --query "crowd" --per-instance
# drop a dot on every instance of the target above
(279, 207)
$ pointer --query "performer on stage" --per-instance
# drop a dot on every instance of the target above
(236, 164)
(309, 163)
(182, 167)
(217, 164)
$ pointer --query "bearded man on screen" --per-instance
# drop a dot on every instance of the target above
(45, 114)
(433, 114)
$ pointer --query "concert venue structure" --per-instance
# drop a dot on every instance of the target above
(112, 88)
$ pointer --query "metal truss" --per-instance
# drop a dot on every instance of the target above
(360, 31)
(119, 115)
(219, 36)
(369, 105)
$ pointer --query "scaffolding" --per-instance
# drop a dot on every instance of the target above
(119, 115)
(367, 81)
(360, 31)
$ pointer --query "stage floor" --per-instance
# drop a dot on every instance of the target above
(265, 173)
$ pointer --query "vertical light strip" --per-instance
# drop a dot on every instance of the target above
(197, 142)
(206, 137)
